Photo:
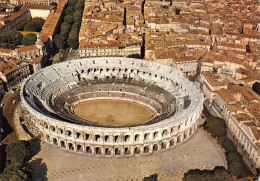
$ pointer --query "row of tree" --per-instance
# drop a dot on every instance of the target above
(17, 155)
(218, 129)
(217, 174)
(69, 29)
(11, 39)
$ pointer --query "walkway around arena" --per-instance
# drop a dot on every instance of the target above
(201, 151)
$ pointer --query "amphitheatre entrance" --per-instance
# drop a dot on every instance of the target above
(113, 112)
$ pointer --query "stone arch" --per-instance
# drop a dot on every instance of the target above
(52, 129)
(155, 147)
(86, 137)
(155, 134)
(48, 138)
(71, 146)
(172, 142)
(185, 135)
(77, 135)
(88, 150)
(191, 131)
(127, 151)
(127, 138)
(60, 131)
(97, 151)
(116, 139)
(147, 136)
(55, 141)
(137, 150)
(97, 138)
(68, 133)
(137, 137)
(179, 139)
(79, 148)
(117, 151)
(163, 145)
(172, 129)
(107, 151)
(106, 138)
(62, 144)
(165, 132)
(146, 149)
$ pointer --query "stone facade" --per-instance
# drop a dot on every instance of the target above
(177, 118)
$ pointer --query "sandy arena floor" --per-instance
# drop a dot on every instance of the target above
(113, 112)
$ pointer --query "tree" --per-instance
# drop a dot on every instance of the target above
(221, 140)
(29, 39)
(68, 19)
(34, 25)
(215, 126)
(233, 156)
(18, 152)
(229, 146)
(235, 168)
(73, 39)
(59, 41)
(10, 39)
(153, 177)
(69, 10)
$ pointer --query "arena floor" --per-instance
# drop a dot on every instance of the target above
(113, 112)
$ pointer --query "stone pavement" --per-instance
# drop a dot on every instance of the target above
(201, 151)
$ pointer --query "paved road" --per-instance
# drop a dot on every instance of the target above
(202, 152)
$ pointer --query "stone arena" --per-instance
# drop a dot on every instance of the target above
(111, 107)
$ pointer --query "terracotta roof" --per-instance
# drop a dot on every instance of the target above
(213, 80)
(226, 95)
(27, 48)
(5, 50)
(254, 109)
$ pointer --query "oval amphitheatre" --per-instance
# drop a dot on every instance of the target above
(111, 107)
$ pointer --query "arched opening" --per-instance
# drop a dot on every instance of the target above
(106, 138)
(137, 150)
(52, 128)
(146, 149)
(71, 147)
(62, 144)
(171, 142)
(155, 134)
(146, 136)
(137, 137)
(55, 141)
(127, 151)
(107, 151)
(179, 139)
(60, 131)
(79, 148)
(68, 133)
(86, 136)
(48, 138)
(88, 150)
(185, 135)
(117, 151)
(116, 139)
(172, 130)
(163, 145)
(165, 132)
(97, 137)
(127, 138)
(190, 131)
(77, 135)
(98, 151)
(155, 147)
(256, 87)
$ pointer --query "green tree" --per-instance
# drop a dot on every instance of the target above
(10, 39)
(215, 126)
(59, 41)
(73, 39)
(233, 156)
(29, 39)
(235, 168)
(69, 10)
(34, 25)
(221, 140)
(18, 152)
(68, 19)
(229, 146)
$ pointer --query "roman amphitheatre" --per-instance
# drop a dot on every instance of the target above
(111, 107)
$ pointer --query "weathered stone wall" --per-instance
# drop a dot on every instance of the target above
(105, 141)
